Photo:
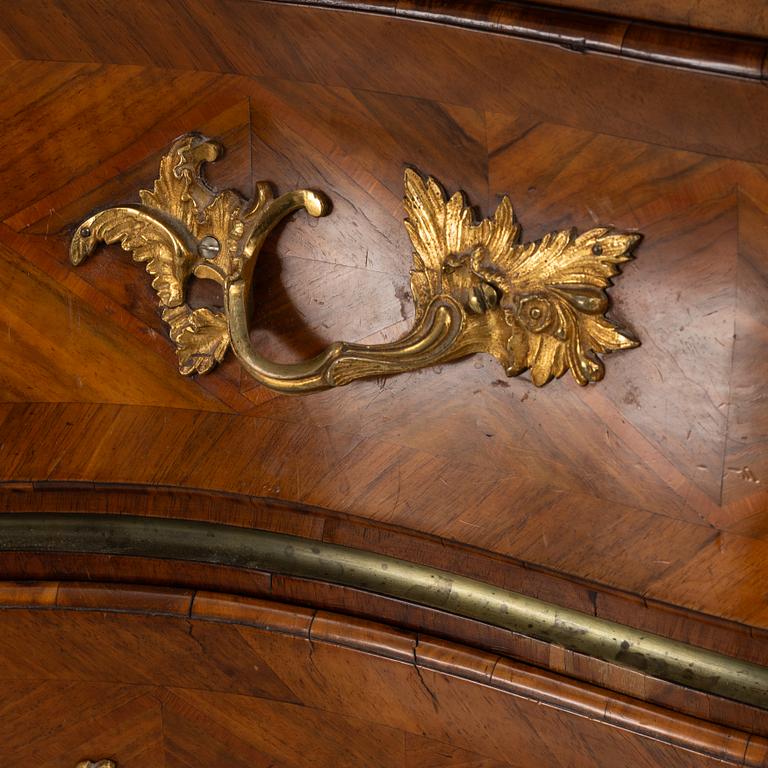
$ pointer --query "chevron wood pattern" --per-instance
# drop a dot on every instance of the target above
(653, 474)
(642, 499)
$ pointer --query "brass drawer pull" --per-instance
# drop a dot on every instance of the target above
(533, 306)
(96, 764)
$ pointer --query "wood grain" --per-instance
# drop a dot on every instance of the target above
(658, 617)
(748, 17)
(334, 48)
(326, 597)
(59, 721)
(343, 692)
(642, 499)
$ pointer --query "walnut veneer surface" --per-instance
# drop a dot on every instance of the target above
(746, 17)
(241, 682)
(641, 499)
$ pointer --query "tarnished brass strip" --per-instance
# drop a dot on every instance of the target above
(609, 641)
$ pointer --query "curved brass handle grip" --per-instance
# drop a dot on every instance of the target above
(428, 343)
(538, 306)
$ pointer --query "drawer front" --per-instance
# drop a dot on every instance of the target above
(639, 498)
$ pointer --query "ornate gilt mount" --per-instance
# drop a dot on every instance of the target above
(536, 306)
(96, 764)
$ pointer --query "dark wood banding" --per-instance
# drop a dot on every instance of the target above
(582, 32)
(747, 17)
(247, 548)
(273, 625)
(282, 516)
(640, 500)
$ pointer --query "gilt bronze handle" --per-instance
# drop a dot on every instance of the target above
(96, 764)
(534, 306)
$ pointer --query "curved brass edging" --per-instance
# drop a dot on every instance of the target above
(219, 544)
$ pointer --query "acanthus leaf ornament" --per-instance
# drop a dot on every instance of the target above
(534, 306)
(96, 764)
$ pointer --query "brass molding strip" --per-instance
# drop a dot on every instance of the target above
(218, 544)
